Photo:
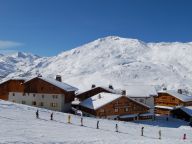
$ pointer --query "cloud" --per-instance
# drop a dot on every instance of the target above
(9, 44)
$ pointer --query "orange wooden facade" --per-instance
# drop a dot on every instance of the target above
(165, 99)
(10, 86)
(120, 106)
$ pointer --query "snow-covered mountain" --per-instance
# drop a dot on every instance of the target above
(110, 60)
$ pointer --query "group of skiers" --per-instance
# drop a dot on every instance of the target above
(97, 126)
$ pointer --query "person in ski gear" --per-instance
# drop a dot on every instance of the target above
(97, 124)
(116, 127)
(69, 119)
(51, 116)
(184, 137)
(37, 114)
(142, 130)
(81, 121)
(159, 134)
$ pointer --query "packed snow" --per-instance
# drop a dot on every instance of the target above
(20, 126)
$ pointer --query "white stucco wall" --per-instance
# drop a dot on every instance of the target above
(46, 99)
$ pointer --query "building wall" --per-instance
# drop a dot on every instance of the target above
(10, 86)
(39, 86)
(50, 101)
(165, 99)
(149, 101)
(121, 106)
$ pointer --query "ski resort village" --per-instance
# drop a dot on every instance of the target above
(112, 90)
(55, 111)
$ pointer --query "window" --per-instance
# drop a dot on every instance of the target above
(13, 94)
(173, 99)
(41, 88)
(126, 109)
(102, 110)
(41, 104)
(34, 103)
(54, 104)
(116, 109)
(54, 96)
(23, 102)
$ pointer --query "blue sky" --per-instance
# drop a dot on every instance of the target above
(48, 27)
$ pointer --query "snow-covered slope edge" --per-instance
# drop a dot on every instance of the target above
(19, 125)
(119, 61)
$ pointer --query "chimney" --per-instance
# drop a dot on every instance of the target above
(58, 78)
(123, 92)
(99, 96)
(93, 86)
(164, 88)
(110, 86)
(179, 91)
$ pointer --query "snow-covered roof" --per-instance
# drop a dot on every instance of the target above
(115, 91)
(182, 97)
(187, 109)
(164, 107)
(140, 91)
(99, 100)
(56, 83)
(16, 78)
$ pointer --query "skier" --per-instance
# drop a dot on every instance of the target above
(116, 127)
(97, 124)
(184, 137)
(159, 134)
(69, 119)
(142, 130)
(37, 114)
(81, 121)
(51, 116)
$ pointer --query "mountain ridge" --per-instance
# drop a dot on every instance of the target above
(114, 60)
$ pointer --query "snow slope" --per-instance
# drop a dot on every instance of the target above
(19, 126)
(117, 61)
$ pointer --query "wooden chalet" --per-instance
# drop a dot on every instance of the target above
(142, 93)
(43, 92)
(50, 86)
(168, 100)
(11, 85)
(114, 106)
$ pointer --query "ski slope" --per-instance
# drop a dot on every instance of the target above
(18, 125)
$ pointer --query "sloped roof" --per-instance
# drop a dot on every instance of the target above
(102, 99)
(105, 88)
(182, 97)
(16, 78)
(140, 90)
(56, 83)
(187, 109)
(99, 100)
